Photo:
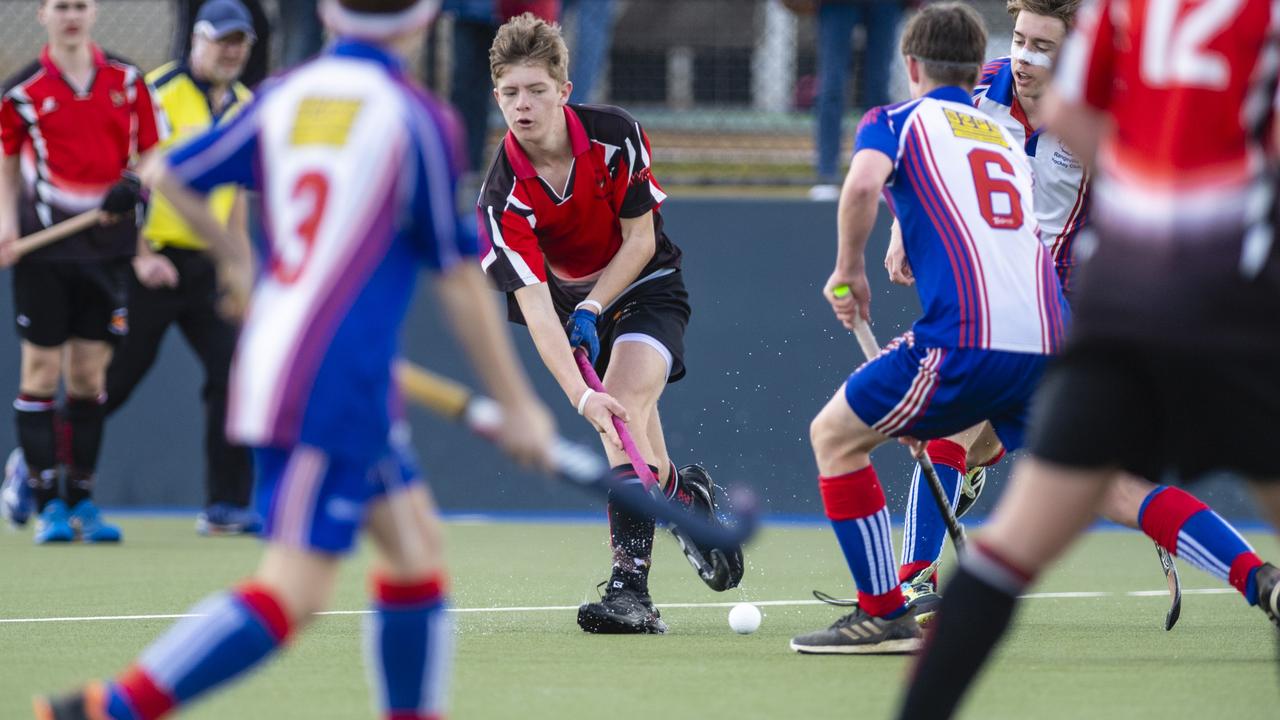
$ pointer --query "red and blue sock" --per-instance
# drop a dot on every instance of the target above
(1189, 529)
(924, 530)
(409, 648)
(854, 503)
(227, 635)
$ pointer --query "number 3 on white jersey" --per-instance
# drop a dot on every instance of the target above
(1174, 48)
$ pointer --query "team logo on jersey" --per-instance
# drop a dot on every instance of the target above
(117, 98)
(324, 121)
(972, 127)
(48, 106)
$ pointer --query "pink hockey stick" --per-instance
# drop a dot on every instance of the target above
(628, 444)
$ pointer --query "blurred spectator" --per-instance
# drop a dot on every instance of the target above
(175, 282)
(259, 60)
(836, 22)
(303, 33)
(475, 23)
(592, 38)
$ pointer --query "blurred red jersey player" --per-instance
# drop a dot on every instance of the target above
(70, 123)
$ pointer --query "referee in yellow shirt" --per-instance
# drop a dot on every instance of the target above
(176, 281)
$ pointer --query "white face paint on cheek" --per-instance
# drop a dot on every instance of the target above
(1031, 57)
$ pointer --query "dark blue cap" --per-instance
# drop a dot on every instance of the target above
(219, 18)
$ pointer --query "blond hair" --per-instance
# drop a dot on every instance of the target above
(529, 40)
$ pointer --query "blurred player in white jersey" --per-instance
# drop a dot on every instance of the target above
(1170, 365)
(357, 168)
(1013, 91)
(993, 310)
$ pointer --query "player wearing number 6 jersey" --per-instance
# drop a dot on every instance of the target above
(1014, 91)
(1170, 367)
(357, 169)
(993, 310)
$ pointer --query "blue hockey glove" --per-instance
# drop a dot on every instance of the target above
(582, 332)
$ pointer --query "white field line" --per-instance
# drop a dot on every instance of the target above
(564, 608)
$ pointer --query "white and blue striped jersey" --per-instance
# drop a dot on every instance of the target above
(961, 189)
(1061, 182)
(357, 171)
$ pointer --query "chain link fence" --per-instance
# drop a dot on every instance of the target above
(726, 88)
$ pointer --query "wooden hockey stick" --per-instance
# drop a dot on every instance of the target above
(54, 233)
(871, 348)
(572, 462)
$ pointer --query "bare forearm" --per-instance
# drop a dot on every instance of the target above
(194, 209)
(638, 246)
(857, 216)
(550, 340)
(478, 327)
(10, 182)
(238, 222)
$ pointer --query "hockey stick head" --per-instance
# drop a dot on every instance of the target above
(580, 466)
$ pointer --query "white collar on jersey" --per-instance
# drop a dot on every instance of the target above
(1030, 57)
(377, 26)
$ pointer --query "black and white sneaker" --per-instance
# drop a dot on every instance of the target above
(719, 568)
(861, 634)
(1268, 580)
(921, 592)
(971, 487)
(624, 609)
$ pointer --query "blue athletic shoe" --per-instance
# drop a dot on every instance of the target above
(16, 502)
(53, 525)
(92, 529)
(227, 519)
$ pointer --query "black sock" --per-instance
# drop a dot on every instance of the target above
(85, 418)
(36, 436)
(630, 534)
(977, 606)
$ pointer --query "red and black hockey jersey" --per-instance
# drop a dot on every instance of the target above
(531, 233)
(74, 145)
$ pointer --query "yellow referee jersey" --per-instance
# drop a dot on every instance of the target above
(184, 102)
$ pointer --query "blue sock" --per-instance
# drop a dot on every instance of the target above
(227, 635)
(1191, 530)
(854, 503)
(924, 531)
(409, 647)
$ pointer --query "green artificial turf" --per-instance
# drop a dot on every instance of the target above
(1098, 657)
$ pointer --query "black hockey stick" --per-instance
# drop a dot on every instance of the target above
(871, 348)
(1175, 587)
(574, 463)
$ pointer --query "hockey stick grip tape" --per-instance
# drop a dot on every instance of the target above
(628, 444)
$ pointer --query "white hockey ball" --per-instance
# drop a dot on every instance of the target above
(744, 618)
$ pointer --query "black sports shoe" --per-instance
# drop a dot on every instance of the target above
(1268, 580)
(971, 487)
(719, 569)
(625, 609)
(861, 634)
(87, 703)
(922, 596)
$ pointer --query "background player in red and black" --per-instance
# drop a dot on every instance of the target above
(71, 123)
(1170, 365)
(570, 213)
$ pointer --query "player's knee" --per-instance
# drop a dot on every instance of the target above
(40, 371)
(831, 437)
(86, 379)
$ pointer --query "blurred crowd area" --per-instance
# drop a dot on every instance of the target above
(729, 90)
